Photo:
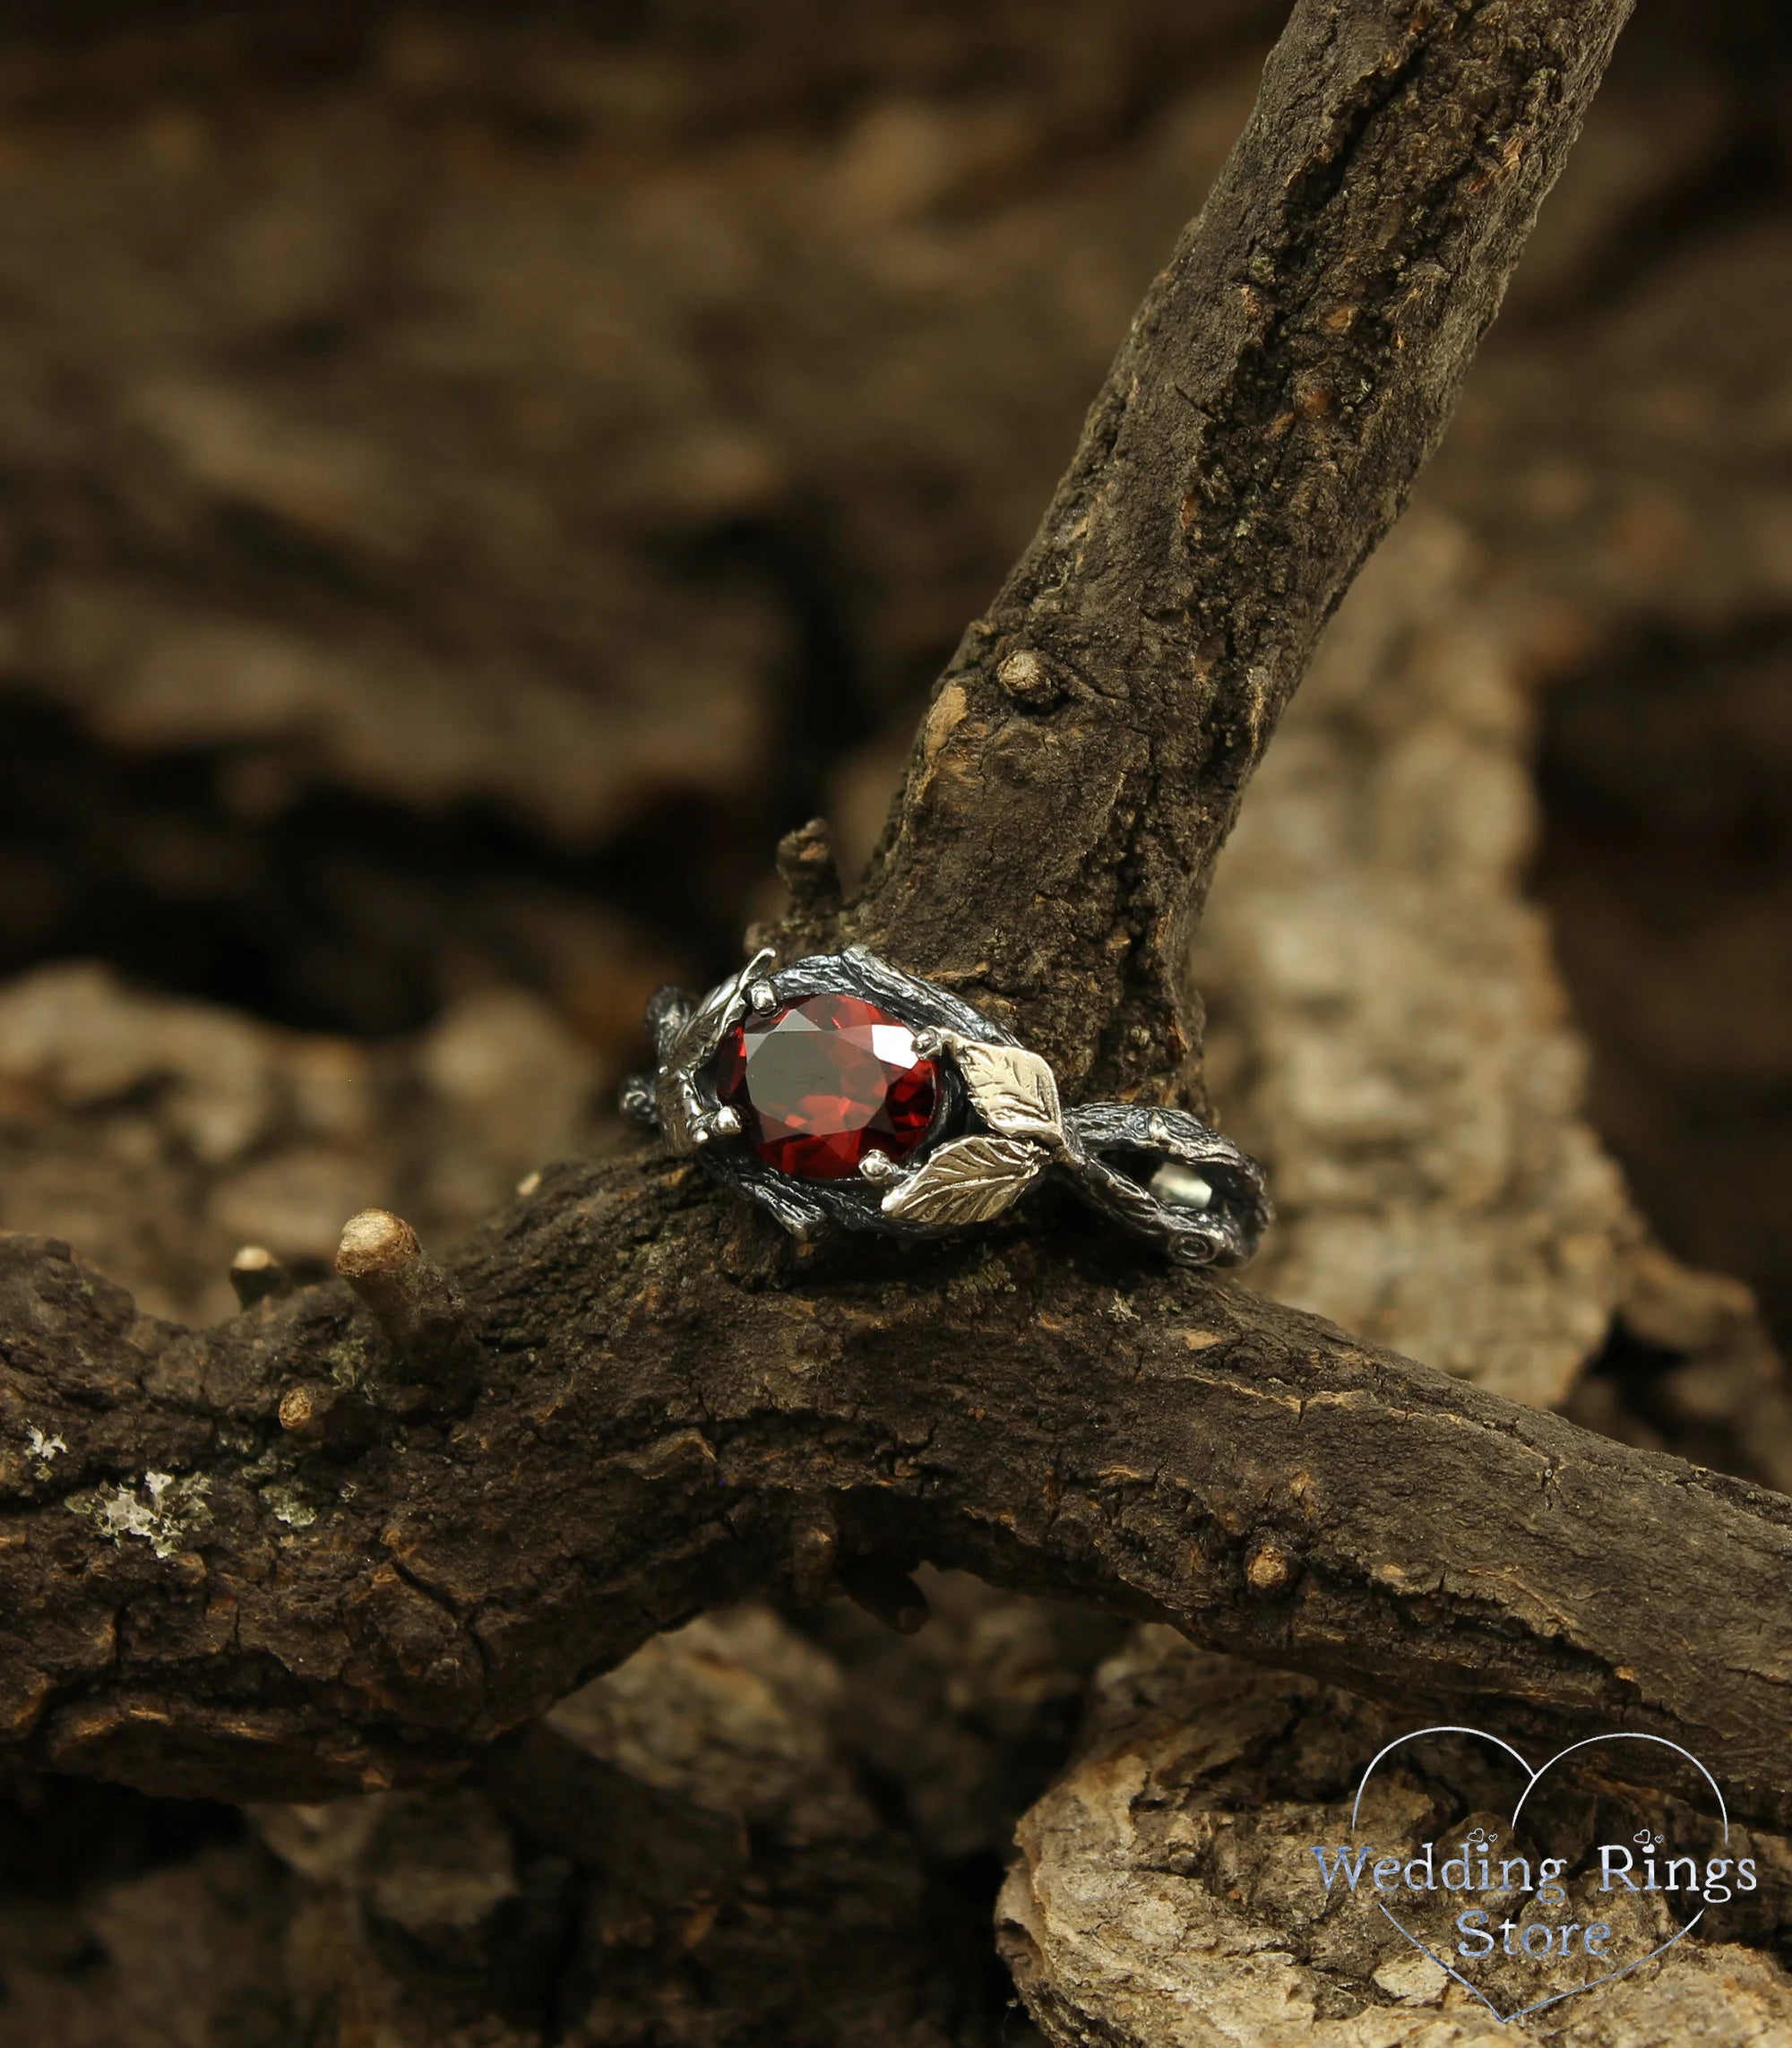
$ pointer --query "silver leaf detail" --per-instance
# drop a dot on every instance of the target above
(722, 1009)
(968, 1181)
(1014, 1091)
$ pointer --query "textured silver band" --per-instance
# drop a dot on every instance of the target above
(1160, 1174)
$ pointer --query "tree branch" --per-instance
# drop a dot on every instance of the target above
(344, 1540)
(666, 1424)
(1287, 377)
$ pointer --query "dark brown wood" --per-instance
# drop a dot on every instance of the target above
(1287, 377)
(668, 1406)
(203, 1588)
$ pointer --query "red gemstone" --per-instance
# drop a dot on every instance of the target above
(825, 1080)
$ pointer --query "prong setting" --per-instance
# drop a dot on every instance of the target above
(762, 996)
(879, 1168)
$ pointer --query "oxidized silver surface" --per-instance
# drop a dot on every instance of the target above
(1160, 1174)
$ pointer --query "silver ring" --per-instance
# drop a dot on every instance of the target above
(841, 1091)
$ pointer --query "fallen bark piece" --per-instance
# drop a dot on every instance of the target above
(1692, 1363)
(682, 1851)
(969, 1717)
(1165, 1894)
(1387, 1026)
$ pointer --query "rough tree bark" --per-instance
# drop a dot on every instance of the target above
(351, 1536)
(1288, 375)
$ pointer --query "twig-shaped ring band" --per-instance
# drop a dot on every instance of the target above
(842, 1091)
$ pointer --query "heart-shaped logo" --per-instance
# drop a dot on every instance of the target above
(1533, 1776)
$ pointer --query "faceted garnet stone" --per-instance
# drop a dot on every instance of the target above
(823, 1081)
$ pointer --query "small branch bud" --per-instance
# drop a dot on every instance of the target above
(410, 1296)
(332, 1417)
(806, 863)
(1032, 682)
(299, 1410)
(1268, 1570)
(257, 1276)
